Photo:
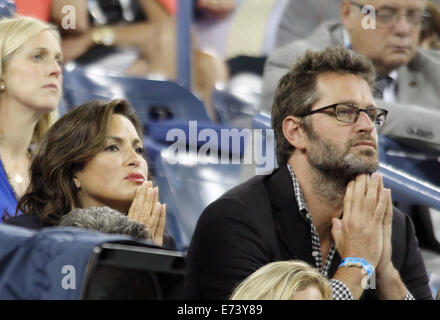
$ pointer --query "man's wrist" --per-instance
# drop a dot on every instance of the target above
(386, 272)
(389, 284)
(352, 278)
(358, 262)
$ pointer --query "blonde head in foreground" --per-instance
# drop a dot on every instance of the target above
(284, 280)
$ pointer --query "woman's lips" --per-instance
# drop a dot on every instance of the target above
(135, 177)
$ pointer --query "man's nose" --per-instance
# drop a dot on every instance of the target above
(364, 123)
(402, 26)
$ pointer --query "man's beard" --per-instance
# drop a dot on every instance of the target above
(336, 165)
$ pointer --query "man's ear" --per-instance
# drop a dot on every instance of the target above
(346, 14)
(294, 133)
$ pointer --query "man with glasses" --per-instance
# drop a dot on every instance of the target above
(387, 32)
(324, 204)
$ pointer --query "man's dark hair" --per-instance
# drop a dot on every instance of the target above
(296, 92)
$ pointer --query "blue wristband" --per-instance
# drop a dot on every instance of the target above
(357, 262)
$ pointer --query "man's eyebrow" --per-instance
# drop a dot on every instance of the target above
(357, 104)
(387, 7)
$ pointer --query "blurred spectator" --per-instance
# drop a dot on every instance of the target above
(30, 89)
(430, 35)
(7, 8)
(408, 78)
(242, 33)
(133, 38)
(284, 280)
(93, 157)
(301, 18)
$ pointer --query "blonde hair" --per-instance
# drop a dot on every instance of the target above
(280, 281)
(14, 33)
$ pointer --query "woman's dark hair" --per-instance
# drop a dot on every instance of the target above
(73, 140)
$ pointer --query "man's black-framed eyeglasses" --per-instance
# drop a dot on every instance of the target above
(387, 17)
(349, 113)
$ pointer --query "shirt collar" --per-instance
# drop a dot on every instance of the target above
(299, 196)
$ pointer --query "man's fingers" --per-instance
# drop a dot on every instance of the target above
(379, 213)
(348, 200)
(380, 187)
(372, 193)
(367, 182)
(336, 230)
(358, 197)
(388, 219)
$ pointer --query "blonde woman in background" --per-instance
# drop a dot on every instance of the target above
(284, 280)
(30, 90)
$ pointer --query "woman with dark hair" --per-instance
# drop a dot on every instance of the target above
(92, 157)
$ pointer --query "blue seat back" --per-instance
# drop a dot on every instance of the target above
(233, 111)
(186, 184)
(7, 8)
(190, 187)
(412, 175)
(153, 100)
(422, 164)
(46, 264)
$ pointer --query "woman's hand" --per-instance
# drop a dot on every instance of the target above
(146, 209)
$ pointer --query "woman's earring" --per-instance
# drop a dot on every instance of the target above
(2, 87)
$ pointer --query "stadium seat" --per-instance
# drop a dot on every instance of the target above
(153, 100)
(189, 176)
(422, 164)
(189, 186)
(71, 263)
(131, 272)
(233, 111)
(7, 8)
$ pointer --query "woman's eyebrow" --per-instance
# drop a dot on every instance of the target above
(119, 139)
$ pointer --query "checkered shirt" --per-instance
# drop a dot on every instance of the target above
(339, 290)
